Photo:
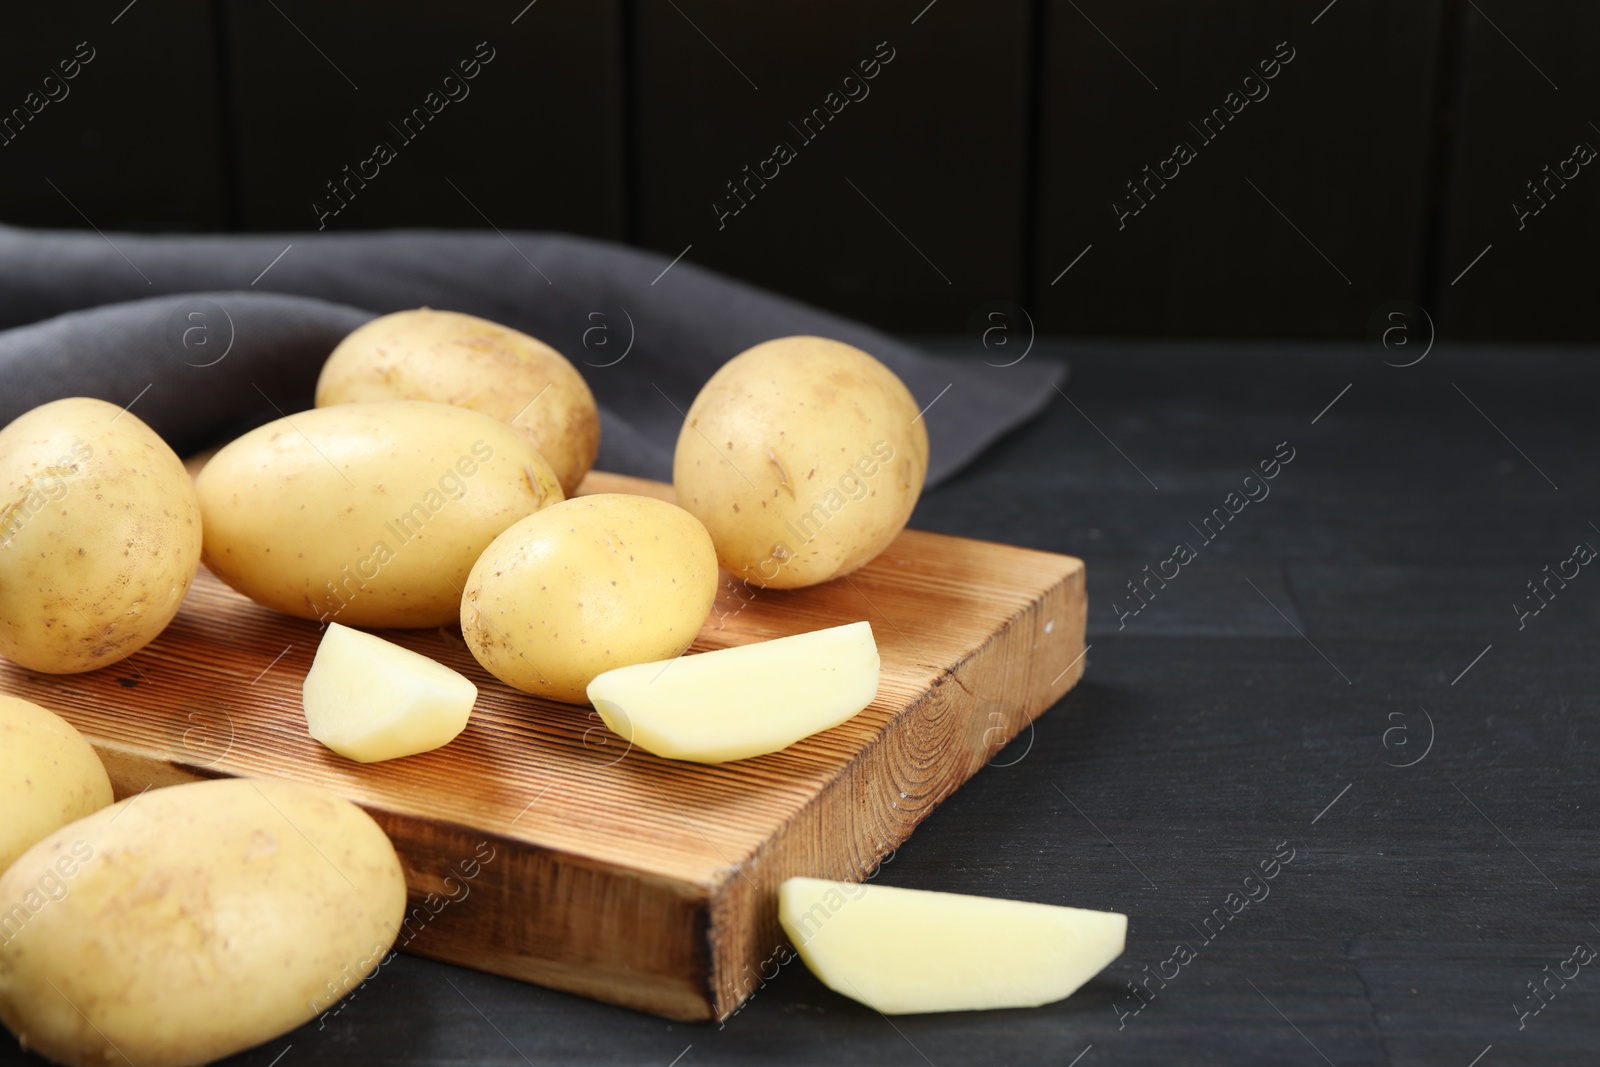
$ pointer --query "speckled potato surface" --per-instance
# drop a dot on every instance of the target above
(99, 536)
(187, 923)
(49, 776)
(451, 358)
(369, 514)
(803, 457)
(591, 584)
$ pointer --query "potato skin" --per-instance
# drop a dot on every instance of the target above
(99, 536)
(371, 514)
(803, 457)
(594, 583)
(451, 358)
(49, 776)
(191, 922)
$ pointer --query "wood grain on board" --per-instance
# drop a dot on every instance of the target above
(536, 845)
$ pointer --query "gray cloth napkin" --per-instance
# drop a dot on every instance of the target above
(206, 336)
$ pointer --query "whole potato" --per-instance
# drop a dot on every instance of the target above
(49, 776)
(368, 513)
(804, 458)
(452, 358)
(188, 923)
(99, 536)
(587, 585)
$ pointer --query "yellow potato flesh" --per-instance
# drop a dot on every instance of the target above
(744, 701)
(188, 923)
(369, 699)
(49, 776)
(99, 536)
(909, 950)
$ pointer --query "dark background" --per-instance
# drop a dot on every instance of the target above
(983, 162)
(1341, 672)
(1344, 671)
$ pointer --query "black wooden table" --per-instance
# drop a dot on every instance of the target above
(1338, 766)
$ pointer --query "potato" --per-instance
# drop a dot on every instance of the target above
(99, 536)
(369, 699)
(803, 457)
(744, 701)
(187, 923)
(49, 776)
(584, 586)
(458, 359)
(368, 513)
(911, 950)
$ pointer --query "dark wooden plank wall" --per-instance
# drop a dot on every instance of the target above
(903, 202)
(488, 122)
(1277, 166)
(110, 116)
(1527, 102)
(986, 156)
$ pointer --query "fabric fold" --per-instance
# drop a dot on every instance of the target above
(207, 335)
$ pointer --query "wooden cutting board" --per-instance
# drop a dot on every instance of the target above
(536, 845)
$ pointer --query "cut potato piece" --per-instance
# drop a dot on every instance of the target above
(910, 950)
(370, 700)
(744, 701)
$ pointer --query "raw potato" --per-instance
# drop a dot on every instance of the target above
(49, 776)
(99, 536)
(452, 358)
(804, 458)
(369, 699)
(371, 514)
(588, 585)
(187, 923)
(743, 701)
(910, 950)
